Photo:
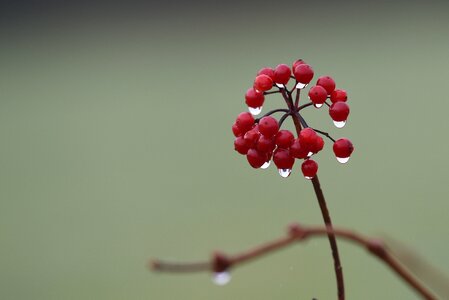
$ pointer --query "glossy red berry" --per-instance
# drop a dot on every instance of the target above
(297, 63)
(254, 98)
(318, 145)
(255, 158)
(266, 144)
(309, 168)
(282, 159)
(244, 121)
(343, 148)
(339, 111)
(241, 145)
(339, 95)
(327, 82)
(282, 74)
(263, 83)
(268, 126)
(303, 73)
(298, 150)
(267, 71)
(252, 136)
(318, 95)
(235, 130)
(284, 138)
(307, 136)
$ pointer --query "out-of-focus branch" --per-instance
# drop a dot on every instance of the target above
(296, 233)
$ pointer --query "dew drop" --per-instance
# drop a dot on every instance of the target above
(266, 165)
(221, 278)
(318, 105)
(339, 124)
(309, 154)
(308, 177)
(284, 172)
(280, 85)
(255, 110)
(300, 85)
(343, 160)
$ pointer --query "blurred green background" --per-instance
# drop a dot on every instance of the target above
(116, 146)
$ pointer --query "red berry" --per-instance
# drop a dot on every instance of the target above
(297, 63)
(268, 126)
(263, 83)
(244, 121)
(303, 73)
(318, 145)
(284, 138)
(282, 159)
(266, 144)
(252, 136)
(267, 71)
(307, 136)
(298, 150)
(327, 82)
(235, 130)
(309, 168)
(254, 98)
(343, 148)
(255, 158)
(339, 111)
(339, 95)
(318, 94)
(282, 74)
(241, 146)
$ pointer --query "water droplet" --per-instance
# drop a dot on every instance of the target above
(308, 177)
(309, 154)
(285, 172)
(342, 160)
(266, 165)
(318, 105)
(339, 124)
(300, 85)
(255, 110)
(280, 85)
(221, 278)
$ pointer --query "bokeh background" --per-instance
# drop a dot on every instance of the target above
(116, 145)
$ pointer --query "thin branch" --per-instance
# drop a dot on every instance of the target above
(298, 92)
(331, 236)
(298, 120)
(287, 97)
(302, 121)
(272, 112)
(294, 87)
(282, 119)
(304, 106)
(325, 134)
(298, 233)
(269, 93)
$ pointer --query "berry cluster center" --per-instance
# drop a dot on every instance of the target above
(262, 140)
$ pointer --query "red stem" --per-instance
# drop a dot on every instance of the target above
(299, 233)
(324, 211)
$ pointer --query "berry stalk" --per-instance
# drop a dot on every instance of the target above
(327, 221)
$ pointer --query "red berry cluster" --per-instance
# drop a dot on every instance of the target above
(261, 140)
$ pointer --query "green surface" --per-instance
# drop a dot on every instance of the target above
(116, 147)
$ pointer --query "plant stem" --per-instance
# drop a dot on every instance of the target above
(300, 233)
(331, 236)
(327, 219)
